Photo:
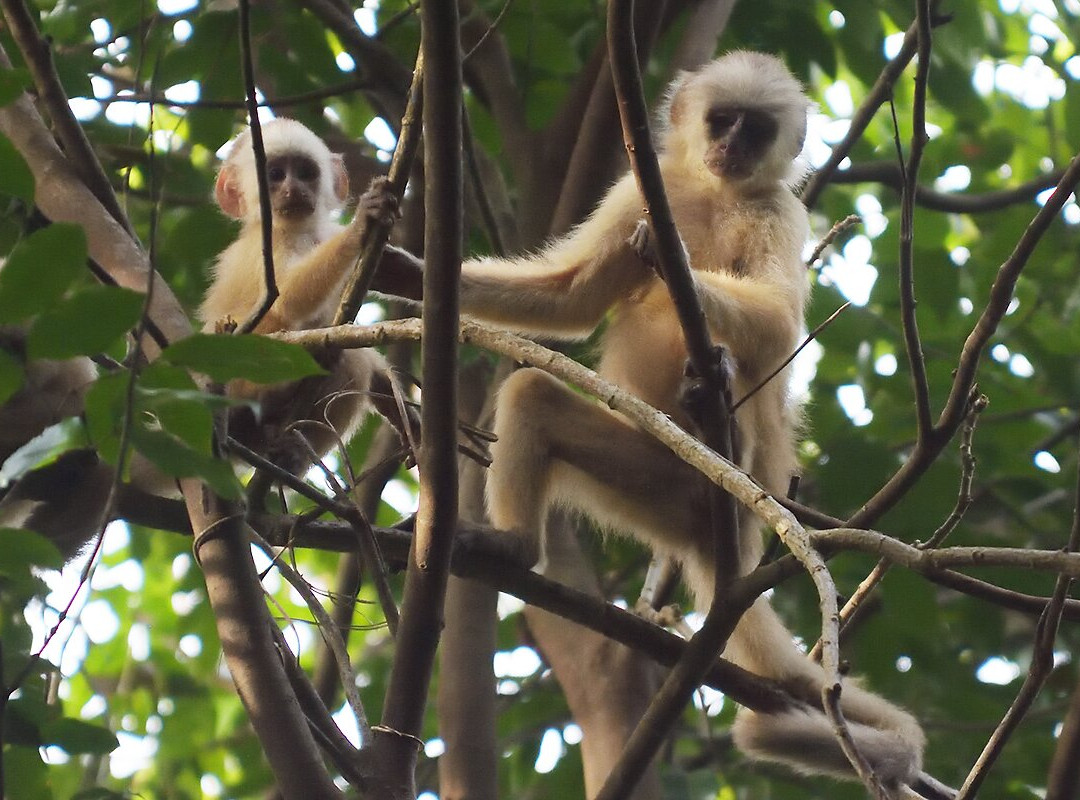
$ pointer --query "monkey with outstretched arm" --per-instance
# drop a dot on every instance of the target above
(734, 130)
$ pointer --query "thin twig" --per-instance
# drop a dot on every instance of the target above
(925, 453)
(491, 29)
(847, 222)
(809, 338)
(864, 115)
(270, 289)
(919, 138)
(330, 634)
(1042, 664)
(963, 501)
(375, 234)
(369, 550)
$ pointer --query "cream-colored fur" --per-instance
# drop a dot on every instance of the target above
(313, 256)
(744, 238)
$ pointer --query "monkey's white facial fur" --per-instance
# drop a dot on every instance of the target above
(304, 177)
(741, 117)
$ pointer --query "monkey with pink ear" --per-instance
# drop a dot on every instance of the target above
(313, 256)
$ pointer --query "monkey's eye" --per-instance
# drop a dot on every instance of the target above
(761, 126)
(307, 171)
(721, 120)
(275, 172)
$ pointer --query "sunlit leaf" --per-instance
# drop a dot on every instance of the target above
(39, 271)
(254, 358)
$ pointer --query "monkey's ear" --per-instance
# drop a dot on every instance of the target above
(676, 105)
(228, 194)
(340, 177)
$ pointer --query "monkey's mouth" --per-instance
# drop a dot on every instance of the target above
(728, 168)
(294, 209)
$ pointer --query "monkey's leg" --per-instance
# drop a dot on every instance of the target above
(556, 446)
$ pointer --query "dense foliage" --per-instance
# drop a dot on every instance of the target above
(140, 704)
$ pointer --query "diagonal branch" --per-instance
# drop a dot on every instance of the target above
(62, 196)
(375, 234)
(37, 52)
(245, 628)
(952, 416)
(716, 424)
(879, 94)
(1042, 663)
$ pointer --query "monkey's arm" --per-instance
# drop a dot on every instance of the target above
(758, 320)
(310, 286)
(565, 289)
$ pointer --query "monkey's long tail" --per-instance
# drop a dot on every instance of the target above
(888, 737)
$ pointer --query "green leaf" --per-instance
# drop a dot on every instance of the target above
(16, 179)
(24, 549)
(40, 269)
(255, 358)
(85, 323)
(44, 447)
(175, 457)
(13, 82)
(76, 736)
(11, 375)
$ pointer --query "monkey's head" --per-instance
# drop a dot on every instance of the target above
(741, 118)
(303, 176)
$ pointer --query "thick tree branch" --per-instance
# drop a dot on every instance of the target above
(63, 197)
(396, 738)
(246, 631)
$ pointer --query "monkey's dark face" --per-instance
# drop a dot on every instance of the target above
(738, 140)
(294, 185)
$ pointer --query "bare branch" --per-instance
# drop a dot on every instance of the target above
(63, 197)
(919, 138)
(375, 234)
(1042, 664)
(952, 416)
(244, 626)
(396, 737)
(888, 174)
(330, 634)
(721, 619)
(270, 289)
(38, 54)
